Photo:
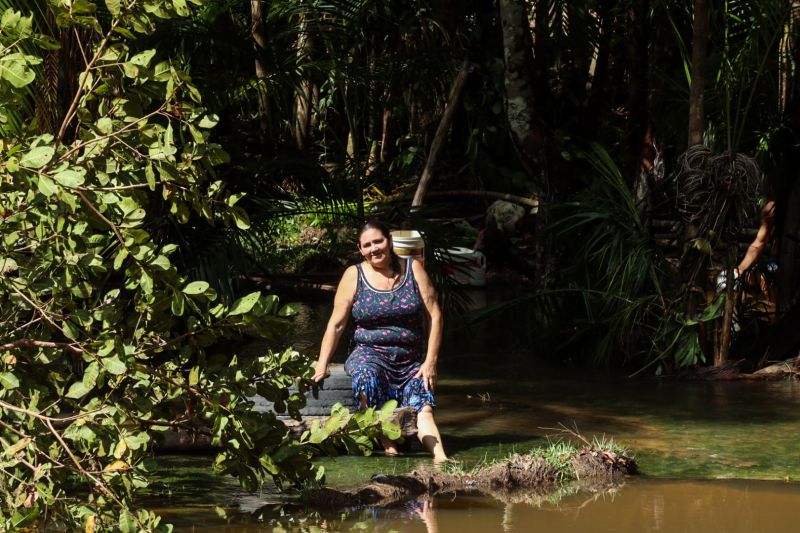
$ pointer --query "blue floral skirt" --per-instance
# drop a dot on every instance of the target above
(375, 380)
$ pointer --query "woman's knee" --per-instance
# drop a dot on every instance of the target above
(426, 411)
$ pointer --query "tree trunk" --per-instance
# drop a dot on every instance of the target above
(637, 106)
(441, 135)
(599, 75)
(520, 77)
(387, 136)
(374, 109)
(259, 36)
(721, 353)
(696, 91)
(583, 49)
(541, 49)
(788, 286)
(302, 126)
(787, 190)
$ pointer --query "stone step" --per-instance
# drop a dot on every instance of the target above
(337, 388)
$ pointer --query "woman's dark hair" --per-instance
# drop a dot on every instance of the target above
(384, 229)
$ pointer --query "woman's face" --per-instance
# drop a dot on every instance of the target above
(375, 247)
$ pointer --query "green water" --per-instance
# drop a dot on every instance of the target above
(714, 455)
(701, 446)
(676, 430)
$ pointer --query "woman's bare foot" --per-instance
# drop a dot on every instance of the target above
(389, 446)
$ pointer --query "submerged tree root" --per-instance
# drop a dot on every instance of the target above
(516, 474)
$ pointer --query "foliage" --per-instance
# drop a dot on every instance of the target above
(615, 262)
(559, 454)
(105, 341)
(717, 193)
(300, 235)
(620, 276)
(18, 63)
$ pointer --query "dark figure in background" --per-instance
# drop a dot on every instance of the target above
(763, 236)
(398, 330)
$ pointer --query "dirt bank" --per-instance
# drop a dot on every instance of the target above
(518, 473)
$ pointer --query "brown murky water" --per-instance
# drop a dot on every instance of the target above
(714, 456)
(641, 506)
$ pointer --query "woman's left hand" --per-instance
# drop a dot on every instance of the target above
(429, 376)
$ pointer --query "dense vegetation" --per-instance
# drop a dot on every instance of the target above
(154, 152)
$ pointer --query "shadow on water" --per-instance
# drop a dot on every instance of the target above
(500, 393)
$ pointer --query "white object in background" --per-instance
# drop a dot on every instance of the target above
(409, 243)
(467, 267)
(722, 279)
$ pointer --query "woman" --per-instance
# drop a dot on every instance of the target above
(391, 355)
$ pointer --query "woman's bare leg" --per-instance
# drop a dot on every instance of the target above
(428, 434)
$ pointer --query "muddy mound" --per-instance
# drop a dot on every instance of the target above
(517, 473)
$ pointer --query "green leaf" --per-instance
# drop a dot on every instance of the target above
(290, 309)
(181, 8)
(114, 365)
(244, 304)
(143, 59)
(83, 7)
(90, 375)
(78, 390)
(8, 265)
(130, 69)
(240, 217)
(150, 176)
(120, 258)
(8, 381)
(146, 283)
(19, 446)
(26, 518)
(160, 262)
(267, 305)
(391, 430)
(196, 287)
(105, 125)
(71, 330)
(194, 376)
(387, 409)
(16, 69)
(177, 304)
(701, 244)
(38, 157)
(714, 309)
(234, 198)
(137, 440)
(127, 523)
(114, 7)
(70, 177)
(208, 121)
(162, 71)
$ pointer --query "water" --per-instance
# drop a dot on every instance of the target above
(714, 455)
(643, 505)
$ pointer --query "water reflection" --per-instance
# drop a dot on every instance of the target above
(650, 506)
(497, 396)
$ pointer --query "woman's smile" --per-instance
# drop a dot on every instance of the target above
(374, 246)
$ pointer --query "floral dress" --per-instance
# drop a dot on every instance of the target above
(389, 343)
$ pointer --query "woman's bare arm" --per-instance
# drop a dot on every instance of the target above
(342, 303)
(762, 237)
(434, 312)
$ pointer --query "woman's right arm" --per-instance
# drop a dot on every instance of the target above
(342, 304)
